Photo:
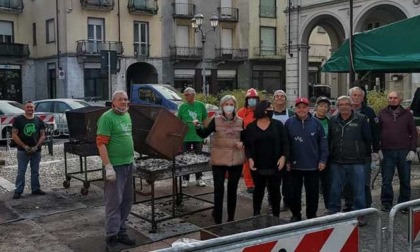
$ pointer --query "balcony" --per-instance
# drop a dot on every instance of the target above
(94, 48)
(14, 50)
(141, 51)
(228, 14)
(269, 52)
(186, 53)
(143, 7)
(11, 6)
(267, 11)
(100, 5)
(229, 54)
(182, 10)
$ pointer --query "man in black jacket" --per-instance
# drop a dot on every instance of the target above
(350, 144)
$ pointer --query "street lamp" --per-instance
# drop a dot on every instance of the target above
(197, 25)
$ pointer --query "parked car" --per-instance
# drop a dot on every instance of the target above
(59, 107)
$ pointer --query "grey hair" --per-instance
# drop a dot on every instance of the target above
(399, 94)
(351, 90)
(344, 97)
(117, 93)
(226, 98)
(189, 90)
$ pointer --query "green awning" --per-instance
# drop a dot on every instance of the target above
(390, 48)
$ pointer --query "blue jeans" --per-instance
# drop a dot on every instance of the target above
(392, 159)
(353, 175)
(195, 146)
(23, 160)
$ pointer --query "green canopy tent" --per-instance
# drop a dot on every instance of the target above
(390, 48)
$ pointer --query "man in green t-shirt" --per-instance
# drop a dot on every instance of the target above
(116, 148)
(188, 112)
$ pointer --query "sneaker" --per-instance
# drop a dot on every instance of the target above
(295, 219)
(200, 183)
(16, 195)
(38, 192)
(124, 239)
(112, 244)
(250, 190)
(361, 221)
(184, 184)
(385, 208)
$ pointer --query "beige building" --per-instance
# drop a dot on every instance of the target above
(61, 48)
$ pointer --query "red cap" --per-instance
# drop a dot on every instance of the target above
(251, 93)
(302, 100)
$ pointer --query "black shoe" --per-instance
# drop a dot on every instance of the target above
(124, 239)
(347, 209)
(38, 192)
(295, 219)
(257, 212)
(385, 208)
(16, 195)
(112, 244)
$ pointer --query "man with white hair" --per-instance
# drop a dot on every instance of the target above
(116, 148)
(189, 112)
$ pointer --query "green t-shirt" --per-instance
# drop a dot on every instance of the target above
(118, 127)
(324, 122)
(189, 112)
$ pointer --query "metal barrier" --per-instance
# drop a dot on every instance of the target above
(393, 212)
(247, 241)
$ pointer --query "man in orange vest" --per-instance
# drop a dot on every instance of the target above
(247, 115)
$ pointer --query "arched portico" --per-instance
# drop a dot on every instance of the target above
(141, 73)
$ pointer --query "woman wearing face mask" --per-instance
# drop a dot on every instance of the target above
(227, 155)
(247, 115)
(266, 147)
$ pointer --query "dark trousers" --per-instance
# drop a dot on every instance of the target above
(192, 146)
(310, 179)
(347, 191)
(325, 180)
(219, 174)
(272, 182)
(286, 186)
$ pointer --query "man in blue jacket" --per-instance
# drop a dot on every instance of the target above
(308, 156)
(351, 142)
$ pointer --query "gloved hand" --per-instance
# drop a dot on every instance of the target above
(27, 148)
(32, 150)
(375, 157)
(381, 155)
(411, 156)
(110, 174)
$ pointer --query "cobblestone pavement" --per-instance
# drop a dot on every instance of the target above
(52, 176)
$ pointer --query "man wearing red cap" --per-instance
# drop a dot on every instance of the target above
(247, 115)
(308, 156)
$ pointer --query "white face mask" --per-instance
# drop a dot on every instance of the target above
(228, 109)
(252, 102)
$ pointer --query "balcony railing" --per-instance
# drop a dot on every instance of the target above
(141, 51)
(143, 7)
(94, 48)
(102, 5)
(14, 50)
(186, 53)
(11, 6)
(229, 54)
(268, 11)
(182, 10)
(269, 52)
(228, 14)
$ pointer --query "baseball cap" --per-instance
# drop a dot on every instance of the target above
(323, 99)
(301, 100)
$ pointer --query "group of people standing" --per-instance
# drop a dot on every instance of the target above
(284, 151)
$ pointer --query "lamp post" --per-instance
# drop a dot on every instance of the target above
(197, 25)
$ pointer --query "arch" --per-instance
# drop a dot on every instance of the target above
(386, 11)
(140, 73)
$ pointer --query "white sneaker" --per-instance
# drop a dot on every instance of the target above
(184, 184)
(200, 183)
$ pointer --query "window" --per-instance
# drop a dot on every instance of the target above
(149, 96)
(6, 32)
(95, 34)
(43, 107)
(50, 28)
(268, 8)
(268, 41)
(141, 38)
(34, 34)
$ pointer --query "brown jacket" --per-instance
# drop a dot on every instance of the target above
(224, 151)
